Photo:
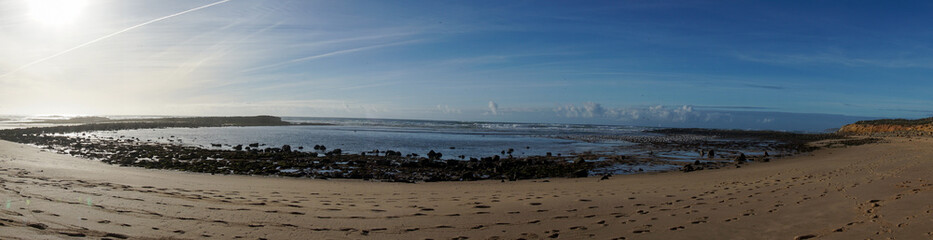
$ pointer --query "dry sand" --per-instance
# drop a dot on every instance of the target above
(878, 191)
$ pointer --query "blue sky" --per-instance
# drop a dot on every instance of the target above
(769, 64)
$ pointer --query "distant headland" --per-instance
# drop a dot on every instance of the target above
(904, 126)
(80, 124)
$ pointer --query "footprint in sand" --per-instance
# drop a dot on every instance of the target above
(803, 237)
(73, 234)
(116, 235)
(40, 226)
(700, 220)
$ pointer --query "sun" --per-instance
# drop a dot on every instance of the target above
(56, 12)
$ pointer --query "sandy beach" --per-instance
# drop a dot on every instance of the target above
(876, 191)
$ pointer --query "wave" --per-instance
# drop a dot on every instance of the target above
(532, 128)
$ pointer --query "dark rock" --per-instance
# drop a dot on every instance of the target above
(688, 168)
(581, 173)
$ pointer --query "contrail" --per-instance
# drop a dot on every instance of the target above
(327, 55)
(109, 36)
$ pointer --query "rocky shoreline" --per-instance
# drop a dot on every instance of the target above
(713, 148)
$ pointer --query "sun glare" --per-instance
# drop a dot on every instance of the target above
(56, 12)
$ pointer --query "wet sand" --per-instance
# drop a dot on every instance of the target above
(876, 191)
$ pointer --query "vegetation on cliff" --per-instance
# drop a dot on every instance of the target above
(898, 122)
(889, 126)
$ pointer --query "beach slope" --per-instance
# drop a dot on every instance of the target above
(876, 191)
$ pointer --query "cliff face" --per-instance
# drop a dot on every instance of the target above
(865, 128)
(889, 125)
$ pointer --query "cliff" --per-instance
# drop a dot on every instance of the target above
(889, 125)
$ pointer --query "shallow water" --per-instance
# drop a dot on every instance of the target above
(453, 139)
(624, 169)
(452, 142)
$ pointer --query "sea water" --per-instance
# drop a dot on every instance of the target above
(451, 138)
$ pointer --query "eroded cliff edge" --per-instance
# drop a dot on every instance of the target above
(924, 125)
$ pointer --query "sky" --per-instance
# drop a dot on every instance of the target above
(787, 65)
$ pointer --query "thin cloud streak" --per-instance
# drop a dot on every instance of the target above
(324, 55)
(109, 36)
(735, 107)
(769, 87)
(835, 59)
(185, 69)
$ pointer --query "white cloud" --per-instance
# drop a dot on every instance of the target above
(493, 108)
(588, 110)
(448, 110)
(657, 113)
(717, 117)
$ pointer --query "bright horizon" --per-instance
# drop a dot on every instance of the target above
(758, 65)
